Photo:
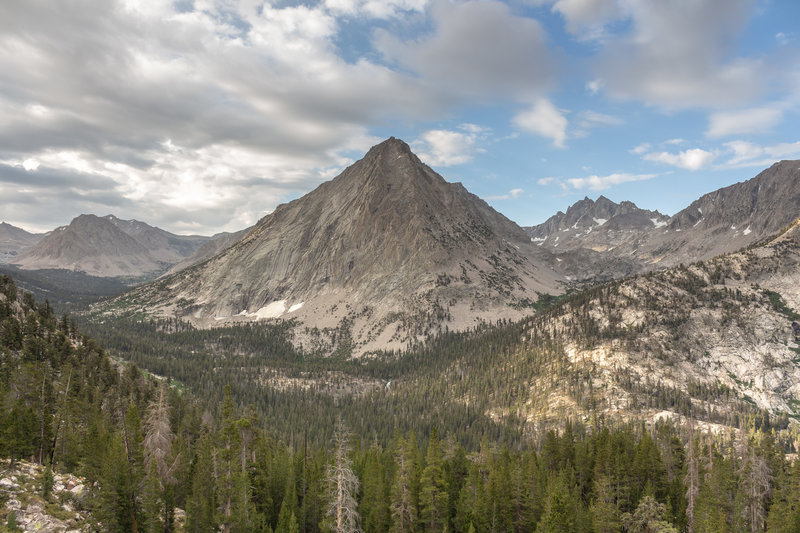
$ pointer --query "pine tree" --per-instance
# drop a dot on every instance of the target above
(472, 504)
(500, 492)
(433, 493)
(648, 518)
(560, 513)
(288, 506)
(201, 503)
(158, 457)
(754, 488)
(403, 504)
(604, 510)
(374, 506)
(784, 513)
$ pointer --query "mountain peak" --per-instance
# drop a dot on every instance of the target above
(386, 238)
(390, 148)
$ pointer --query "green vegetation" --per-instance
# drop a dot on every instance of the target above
(777, 303)
(145, 449)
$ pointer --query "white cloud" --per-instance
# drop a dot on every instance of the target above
(692, 159)
(594, 86)
(748, 154)
(254, 99)
(682, 54)
(588, 120)
(477, 50)
(783, 39)
(510, 195)
(640, 149)
(747, 121)
(446, 147)
(586, 18)
(599, 183)
(545, 119)
(381, 9)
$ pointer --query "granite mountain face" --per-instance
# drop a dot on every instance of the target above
(108, 247)
(601, 240)
(387, 250)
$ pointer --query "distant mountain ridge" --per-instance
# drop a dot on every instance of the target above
(108, 247)
(601, 215)
(14, 240)
(216, 244)
(603, 240)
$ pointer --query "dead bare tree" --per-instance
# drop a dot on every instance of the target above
(158, 437)
(343, 486)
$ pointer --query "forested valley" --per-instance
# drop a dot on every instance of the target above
(158, 456)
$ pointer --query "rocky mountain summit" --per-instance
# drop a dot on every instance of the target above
(109, 247)
(387, 250)
(601, 216)
(14, 240)
(602, 240)
(162, 245)
(591, 240)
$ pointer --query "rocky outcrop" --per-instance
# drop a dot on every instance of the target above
(63, 511)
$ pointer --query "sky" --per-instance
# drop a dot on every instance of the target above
(201, 116)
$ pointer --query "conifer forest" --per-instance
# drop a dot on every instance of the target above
(149, 447)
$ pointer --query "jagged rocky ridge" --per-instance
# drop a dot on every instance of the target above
(386, 251)
(603, 240)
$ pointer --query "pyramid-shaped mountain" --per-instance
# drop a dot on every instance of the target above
(388, 248)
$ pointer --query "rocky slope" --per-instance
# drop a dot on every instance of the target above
(162, 245)
(14, 240)
(604, 240)
(108, 247)
(692, 340)
(386, 251)
(61, 511)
